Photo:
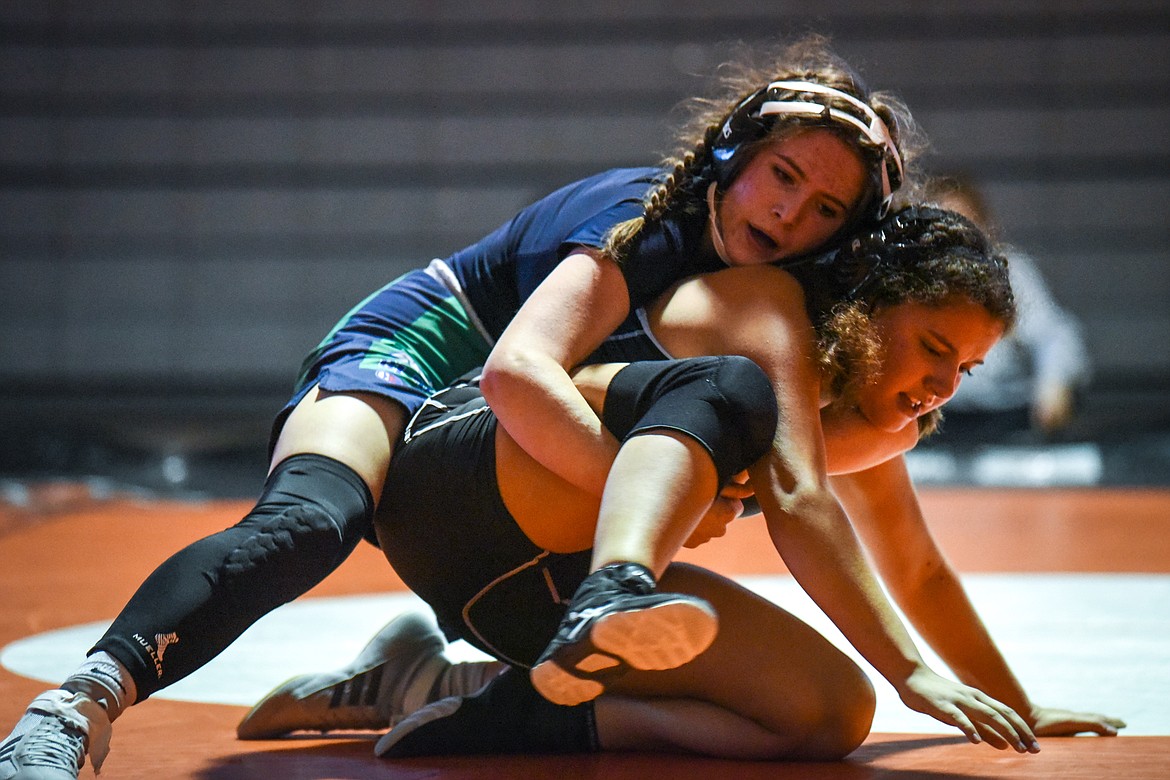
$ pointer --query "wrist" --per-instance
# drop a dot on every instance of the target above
(917, 673)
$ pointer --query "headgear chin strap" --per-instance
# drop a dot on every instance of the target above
(745, 124)
(716, 229)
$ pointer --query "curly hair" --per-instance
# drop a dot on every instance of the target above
(919, 254)
(689, 168)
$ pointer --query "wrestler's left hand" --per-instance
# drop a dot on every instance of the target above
(1052, 722)
(726, 507)
(980, 717)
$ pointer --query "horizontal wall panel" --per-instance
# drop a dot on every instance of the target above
(1087, 63)
(258, 317)
(196, 191)
(189, 216)
(1097, 283)
(357, 141)
(82, 12)
(1079, 209)
(383, 71)
(1107, 133)
(1076, 205)
(514, 22)
(1087, 67)
(30, 294)
(1128, 343)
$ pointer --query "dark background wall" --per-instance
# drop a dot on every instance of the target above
(191, 193)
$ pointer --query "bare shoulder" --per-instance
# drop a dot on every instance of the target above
(750, 288)
(733, 311)
(765, 278)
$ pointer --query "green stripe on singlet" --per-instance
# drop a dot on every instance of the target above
(443, 342)
(311, 359)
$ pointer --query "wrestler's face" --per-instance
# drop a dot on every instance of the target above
(925, 350)
(790, 198)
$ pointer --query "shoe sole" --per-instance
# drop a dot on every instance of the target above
(664, 636)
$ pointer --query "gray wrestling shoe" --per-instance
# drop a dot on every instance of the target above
(399, 671)
(51, 740)
(617, 621)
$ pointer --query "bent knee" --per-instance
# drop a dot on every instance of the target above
(749, 404)
(827, 725)
(842, 723)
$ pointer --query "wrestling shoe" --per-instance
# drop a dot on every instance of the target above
(507, 716)
(51, 740)
(617, 621)
(400, 670)
(419, 719)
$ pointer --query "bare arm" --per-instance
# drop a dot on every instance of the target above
(526, 377)
(759, 313)
(884, 507)
(807, 525)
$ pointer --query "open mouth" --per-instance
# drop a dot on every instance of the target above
(763, 240)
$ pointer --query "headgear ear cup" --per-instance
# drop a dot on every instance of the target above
(742, 126)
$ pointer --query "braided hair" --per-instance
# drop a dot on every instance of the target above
(692, 167)
(919, 254)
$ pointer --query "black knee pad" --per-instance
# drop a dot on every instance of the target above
(725, 403)
(281, 534)
(311, 514)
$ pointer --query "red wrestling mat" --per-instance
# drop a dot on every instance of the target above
(77, 561)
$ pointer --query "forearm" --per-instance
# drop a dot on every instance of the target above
(821, 550)
(884, 508)
(542, 410)
(526, 377)
(941, 612)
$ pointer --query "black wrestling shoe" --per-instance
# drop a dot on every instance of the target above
(617, 621)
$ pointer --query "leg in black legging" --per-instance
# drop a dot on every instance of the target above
(311, 515)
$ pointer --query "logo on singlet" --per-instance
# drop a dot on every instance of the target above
(390, 363)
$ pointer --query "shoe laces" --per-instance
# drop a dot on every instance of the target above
(55, 744)
(71, 721)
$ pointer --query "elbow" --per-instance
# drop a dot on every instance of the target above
(505, 373)
(807, 498)
(804, 514)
